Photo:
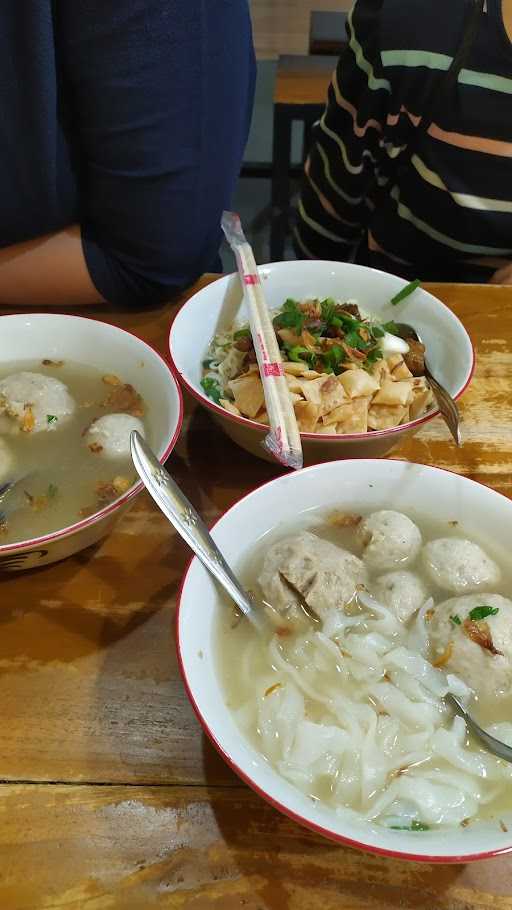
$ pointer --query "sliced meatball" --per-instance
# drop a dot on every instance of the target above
(459, 566)
(477, 650)
(35, 402)
(326, 576)
(403, 592)
(389, 539)
(110, 435)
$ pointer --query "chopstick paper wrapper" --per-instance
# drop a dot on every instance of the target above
(283, 440)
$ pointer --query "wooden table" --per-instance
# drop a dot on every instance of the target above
(111, 797)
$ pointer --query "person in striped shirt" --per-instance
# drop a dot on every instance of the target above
(436, 203)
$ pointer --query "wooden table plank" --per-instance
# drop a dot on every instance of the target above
(89, 683)
(98, 848)
(91, 695)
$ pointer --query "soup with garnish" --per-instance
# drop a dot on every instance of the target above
(65, 439)
(374, 619)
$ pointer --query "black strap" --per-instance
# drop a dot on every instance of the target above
(444, 88)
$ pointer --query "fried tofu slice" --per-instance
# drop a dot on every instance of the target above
(248, 394)
(307, 414)
(384, 417)
(358, 383)
(394, 393)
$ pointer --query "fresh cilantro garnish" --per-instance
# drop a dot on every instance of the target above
(212, 389)
(373, 356)
(52, 491)
(377, 331)
(406, 291)
(478, 613)
(298, 353)
(456, 620)
(242, 333)
(328, 307)
(354, 340)
(414, 826)
(333, 357)
(51, 418)
(390, 327)
(290, 317)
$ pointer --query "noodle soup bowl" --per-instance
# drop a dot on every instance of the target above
(219, 305)
(34, 337)
(283, 504)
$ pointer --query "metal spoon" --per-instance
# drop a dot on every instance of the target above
(493, 745)
(181, 513)
(447, 405)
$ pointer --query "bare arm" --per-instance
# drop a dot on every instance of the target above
(46, 271)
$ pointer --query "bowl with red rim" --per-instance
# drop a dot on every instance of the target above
(287, 502)
(34, 337)
(218, 306)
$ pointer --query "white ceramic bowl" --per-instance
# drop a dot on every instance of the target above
(112, 350)
(213, 309)
(352, 484)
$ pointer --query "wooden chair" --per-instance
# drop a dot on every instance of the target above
(300, 94)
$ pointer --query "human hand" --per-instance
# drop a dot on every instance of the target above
(503, 275)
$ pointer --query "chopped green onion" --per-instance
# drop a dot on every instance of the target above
(295, 353)
(478, 613)
(406, 291)
(455, 620)
(377, 331)
(51, 418)
(414, 826)
(390, 327)
(212, 389)
(242, 333)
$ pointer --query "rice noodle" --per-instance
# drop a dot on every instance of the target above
(358, 720)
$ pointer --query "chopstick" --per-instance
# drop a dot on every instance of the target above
(283, 440)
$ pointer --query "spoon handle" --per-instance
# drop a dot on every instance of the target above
(189, 524)
(447, 406)
(496, 746)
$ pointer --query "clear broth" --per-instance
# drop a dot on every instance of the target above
(234, 637)
(57, 463)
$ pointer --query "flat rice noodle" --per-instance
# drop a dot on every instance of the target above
(394, 393)
(278, 718)
(355, 418)
(312, 741)
(459, 688)
(414, 690)
(331, 395)
(415, 665)
(449, 744)
(436, 804)
(413, 714)
(417, 638)
(385, 417)
(387, 623)
(347, 789)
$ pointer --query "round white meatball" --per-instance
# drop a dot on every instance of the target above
(326, 576)
(402, 592)
(35, 402)
(110, 435)
(389, 539)
(459, 566)
(477, 650)
(6, 461)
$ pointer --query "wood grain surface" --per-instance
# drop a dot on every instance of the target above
(282, 26)
(110, 795)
